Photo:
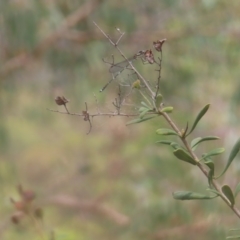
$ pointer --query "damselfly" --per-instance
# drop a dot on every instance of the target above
(117, 68)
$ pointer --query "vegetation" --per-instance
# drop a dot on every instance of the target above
(114, 182)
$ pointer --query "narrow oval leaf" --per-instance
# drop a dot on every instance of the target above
(199, 116)
(187, 195)
(214, 191)
(194, 142)
(175, 145)
(143, 113)
(141, 109)
(165, 142)
(166, 131)
(233, 237)
(237, 190)
(209, 162)
(158, 100)
(229, 194)
(139, 120)
(231, 157)
(167, 109)
(198, 140)
(185, 131)
(182, 155)
(210, 177)
(145, 105)
(214, 152)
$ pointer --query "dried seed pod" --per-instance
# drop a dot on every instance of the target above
(61, 100)
(28, 195)
(38, 212)
(86, 115)
(158, 44)
(148, 56)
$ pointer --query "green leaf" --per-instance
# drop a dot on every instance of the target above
(198, 140)
(199, 116)
(209, 162)
(186, 195)
(143, 113)
(141, 109)
(210, 177)
(185, 131)
(231, 157)
(214, 152)
(184, 156)
(175, 145)
(233, 237)
(194, 142)
(229, 194)
(214, 191)
(139, 120)
(237, 190)
(167, 109)
(145, 105)
(158, 100)
(165, 142)
(166, 131)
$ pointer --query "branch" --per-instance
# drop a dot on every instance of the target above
(200, 166)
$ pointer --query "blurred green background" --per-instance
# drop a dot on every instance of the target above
(114, 183)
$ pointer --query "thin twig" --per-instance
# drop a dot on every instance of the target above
(122, 34)
(66, 108)
(97, 106)
(159, 73)
(94, 115)
(86, 118)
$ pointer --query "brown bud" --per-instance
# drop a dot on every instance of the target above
(38, 212)
(158, 44)
(15, 218)
(61, 100)
(86, 115)
(20, 206)
(28, 195)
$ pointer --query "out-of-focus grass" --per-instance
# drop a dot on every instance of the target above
(115, 166)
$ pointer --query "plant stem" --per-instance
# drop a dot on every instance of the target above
(200, 166)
